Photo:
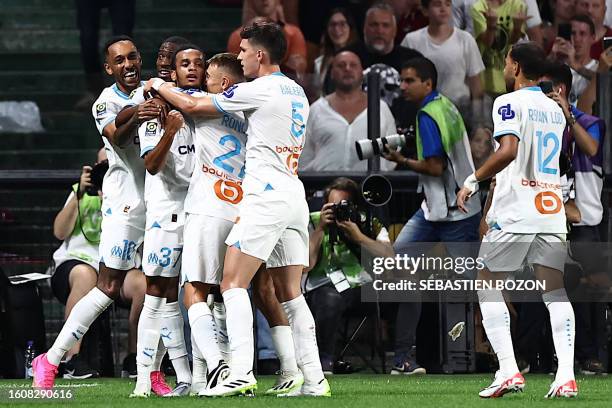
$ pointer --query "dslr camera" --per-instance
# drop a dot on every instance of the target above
(367, 148)
(346, 211)
(97, 177)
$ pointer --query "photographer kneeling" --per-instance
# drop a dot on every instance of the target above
(337, 234)
(78, 225)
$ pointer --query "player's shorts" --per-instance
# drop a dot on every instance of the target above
(273, 227)
(205, 248)
(162, 252)
(508, 252)
(119, 243)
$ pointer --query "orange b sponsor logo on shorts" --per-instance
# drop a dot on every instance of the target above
(228, 190)
(548, 202)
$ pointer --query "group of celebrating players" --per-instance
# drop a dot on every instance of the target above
(211, 188)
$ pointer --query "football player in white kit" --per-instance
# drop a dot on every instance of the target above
(273, 217)
(122, 206)
(211, 208)
(526, 218)
(169, 159)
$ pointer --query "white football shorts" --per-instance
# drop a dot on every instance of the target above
(273, 227)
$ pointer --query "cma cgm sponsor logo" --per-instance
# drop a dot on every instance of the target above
(125, 251)
(229, 92)
(186, 149)
(506, 112)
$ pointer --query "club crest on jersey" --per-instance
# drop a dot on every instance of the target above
(151, 129)
(506, 112)
(133, 93)
(229, 92)
(101, 108)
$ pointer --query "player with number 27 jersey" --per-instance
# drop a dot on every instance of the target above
(528, 197)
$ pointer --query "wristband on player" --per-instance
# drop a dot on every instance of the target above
(471, 183)
(157, 83)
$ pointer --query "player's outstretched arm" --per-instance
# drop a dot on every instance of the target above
(498, 161)
(201, 106)
(155, 159)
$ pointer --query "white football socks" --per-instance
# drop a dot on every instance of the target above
(305, 339)
(221, 324)
(174, 339)
(496, 322)
(285, 350)
(240, 330)
(148, 340)
(199, 366)
(81, 317)
(203, 331)
(563, 326)
(159, 357)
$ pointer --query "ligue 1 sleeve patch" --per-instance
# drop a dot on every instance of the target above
(101, 109)
(151, 129)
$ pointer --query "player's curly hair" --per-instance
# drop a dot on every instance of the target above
(268, 35)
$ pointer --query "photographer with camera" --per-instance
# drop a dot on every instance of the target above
(337, 234)
(443, 161)
(78, 225)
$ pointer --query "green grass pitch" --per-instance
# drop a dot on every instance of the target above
(351, 391)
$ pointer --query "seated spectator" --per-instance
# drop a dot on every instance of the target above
(455, 55)
(577, 54)
(335, 248)
(340, 32)
(481, 144)
(596, 9)
(294, 61)
(497, 25)
(338, 120)
(409, 17)
(379, 49)
(563, 12)
(78, 224)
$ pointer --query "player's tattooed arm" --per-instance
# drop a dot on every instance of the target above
(201, 106)
(155, 160)
(128, 120)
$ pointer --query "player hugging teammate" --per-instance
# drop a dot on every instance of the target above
(214, 207)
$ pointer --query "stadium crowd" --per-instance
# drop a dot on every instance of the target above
(442, 67)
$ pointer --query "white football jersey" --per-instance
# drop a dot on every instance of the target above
(123, 186)
(276, 111)
(216, 185)
(165, 191)
(528, 197)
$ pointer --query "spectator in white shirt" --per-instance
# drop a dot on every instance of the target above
(454, 53)
(338, 120)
